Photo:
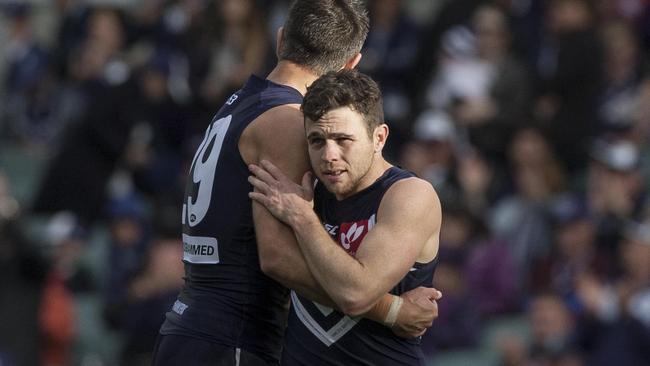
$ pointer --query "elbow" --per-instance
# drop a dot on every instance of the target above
(271, 265)
(268, 267)
(355, 303)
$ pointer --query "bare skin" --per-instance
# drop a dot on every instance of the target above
(347, 160)
(280, 256)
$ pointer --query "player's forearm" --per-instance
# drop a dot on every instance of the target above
(281, 259)
(341, 276)
(292, 272)
(296, 275)
(283, 262)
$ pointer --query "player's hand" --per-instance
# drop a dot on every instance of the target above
(285, 199)
(417, 312)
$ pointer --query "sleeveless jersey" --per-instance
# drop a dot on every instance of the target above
(226, 298)
(318, 335)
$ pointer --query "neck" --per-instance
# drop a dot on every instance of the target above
(378, 168)
(293, 75)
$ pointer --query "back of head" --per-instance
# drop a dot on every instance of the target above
(323, 34)
(345, 88)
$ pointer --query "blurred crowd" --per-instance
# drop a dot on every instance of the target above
(531, 119)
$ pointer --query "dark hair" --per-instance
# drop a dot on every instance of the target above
(323, 34)
(345, 88)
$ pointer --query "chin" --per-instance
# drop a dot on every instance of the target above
(337, 189)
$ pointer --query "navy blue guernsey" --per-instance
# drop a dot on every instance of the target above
(318, 335)
(226, 298)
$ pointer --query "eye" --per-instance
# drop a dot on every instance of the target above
(343, 140)
(315, 141)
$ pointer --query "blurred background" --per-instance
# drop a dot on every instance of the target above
(530, 118)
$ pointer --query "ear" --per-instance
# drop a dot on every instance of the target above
(278, 41)
(380, 136)
(352, 62)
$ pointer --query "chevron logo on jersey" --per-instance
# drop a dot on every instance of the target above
(323, 322)
(351, 234)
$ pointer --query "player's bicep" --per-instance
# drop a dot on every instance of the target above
(408, 219)
(278, 136)
(280, 139)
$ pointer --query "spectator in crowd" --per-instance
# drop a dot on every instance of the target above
(389, 54)
(616, 321)
(57, 311)
(569, 71)
(22, 273)
(149, 294)
(94, 143)
(491, 274)
(156, 143)
(522, 219)
(615, 190)
(553, 339)
(457, 324)
(129, 241)
(574, 252)
(622, 76)
(32, 111)
(431, 153)
(481, 84)
(239, 47)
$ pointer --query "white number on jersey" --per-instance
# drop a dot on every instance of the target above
(203, 168)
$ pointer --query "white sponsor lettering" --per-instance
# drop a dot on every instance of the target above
(200, 249)
(331, 229)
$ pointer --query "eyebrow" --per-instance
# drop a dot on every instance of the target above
(334, 135)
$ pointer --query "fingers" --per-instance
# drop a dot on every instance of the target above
(261, 174)
(434, 294)
(413, 332)
(434, 311)
(431, 293)
(307, 182)
(438, 295)
(259, 185)
(259, 197)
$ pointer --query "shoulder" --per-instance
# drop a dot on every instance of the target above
(286, 115)
(411, 197)
(412, 187)
(278, 124)
(279, 128)
(277, 135)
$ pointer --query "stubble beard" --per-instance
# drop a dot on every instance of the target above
(351, 186)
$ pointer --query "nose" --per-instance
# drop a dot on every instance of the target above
(330, 152)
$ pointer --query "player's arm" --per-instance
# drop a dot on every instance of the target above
(279, 135)
(409, 218)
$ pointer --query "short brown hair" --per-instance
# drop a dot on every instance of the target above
(323, 34)
(345, 88)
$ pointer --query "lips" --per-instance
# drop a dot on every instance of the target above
(333, 176)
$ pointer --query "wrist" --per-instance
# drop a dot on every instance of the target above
(379, 311)
(393, 311)
(303, 219)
